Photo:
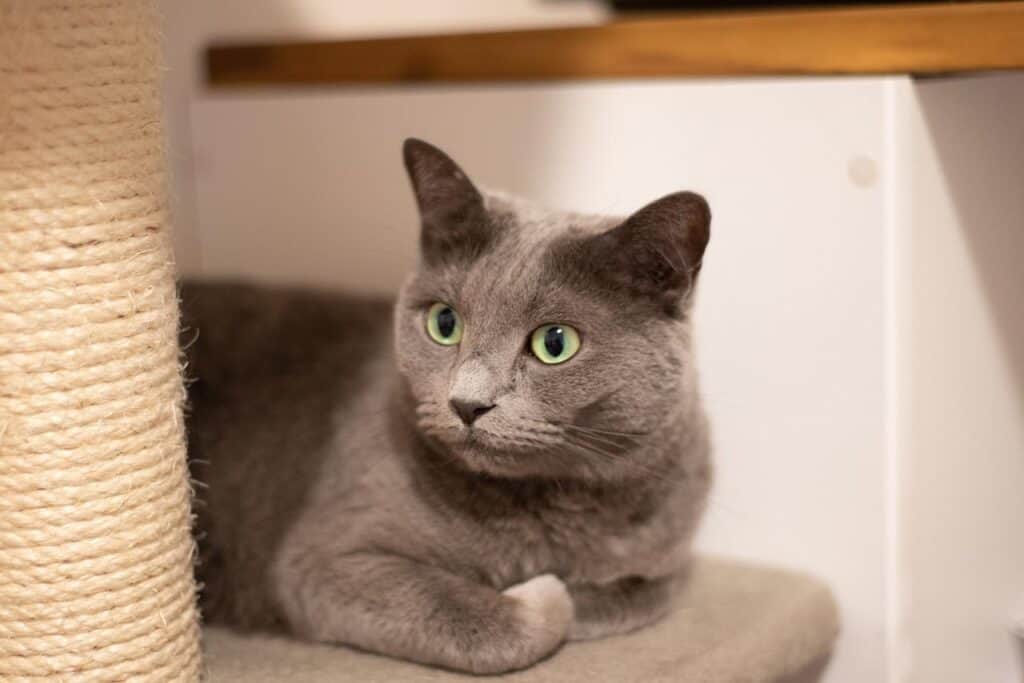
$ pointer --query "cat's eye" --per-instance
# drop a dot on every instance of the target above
(554, 344)
(444, 324)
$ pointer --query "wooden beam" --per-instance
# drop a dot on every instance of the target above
(933, 38)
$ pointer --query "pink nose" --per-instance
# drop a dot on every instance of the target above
(467, 410)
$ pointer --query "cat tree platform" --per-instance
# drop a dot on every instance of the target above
(733, 623)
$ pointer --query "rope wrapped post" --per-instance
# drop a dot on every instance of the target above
(95, 545)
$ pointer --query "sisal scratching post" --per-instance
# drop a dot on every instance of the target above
(95, 547)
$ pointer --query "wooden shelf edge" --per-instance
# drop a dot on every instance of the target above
(920, 39)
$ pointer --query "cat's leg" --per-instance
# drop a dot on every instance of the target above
(395, 606)
(618, 607)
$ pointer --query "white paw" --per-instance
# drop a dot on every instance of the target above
(545, 606)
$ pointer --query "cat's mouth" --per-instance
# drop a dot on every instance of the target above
(488, 451)
(476, 440)
(487, 459)
(498, 443)
(482, 446)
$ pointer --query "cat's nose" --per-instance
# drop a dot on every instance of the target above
(469, 410)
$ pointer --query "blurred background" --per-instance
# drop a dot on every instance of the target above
(860, 326)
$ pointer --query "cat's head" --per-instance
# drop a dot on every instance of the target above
(536, 343)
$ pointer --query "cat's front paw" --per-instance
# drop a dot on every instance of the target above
(544, 605)
(544, 612)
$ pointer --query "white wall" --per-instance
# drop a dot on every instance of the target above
(191, 25)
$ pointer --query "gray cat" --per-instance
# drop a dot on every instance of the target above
(515, 456)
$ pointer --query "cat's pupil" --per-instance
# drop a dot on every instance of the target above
(554, 341)
(446, 322)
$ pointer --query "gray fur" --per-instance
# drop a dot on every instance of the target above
(346, 502)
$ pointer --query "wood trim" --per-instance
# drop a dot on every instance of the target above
(934, 38)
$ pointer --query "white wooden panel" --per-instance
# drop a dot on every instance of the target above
(963, 368)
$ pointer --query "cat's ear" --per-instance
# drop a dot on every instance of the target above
(656, 253)
(454, 221)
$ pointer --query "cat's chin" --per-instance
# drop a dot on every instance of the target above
(481, 451)
(496, 467)
(483, 455)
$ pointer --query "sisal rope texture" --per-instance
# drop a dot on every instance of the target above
(95, 546)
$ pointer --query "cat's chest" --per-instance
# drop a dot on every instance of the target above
(579, 543)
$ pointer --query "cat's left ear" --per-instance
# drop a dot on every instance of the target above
(656, 253)
(454, 221)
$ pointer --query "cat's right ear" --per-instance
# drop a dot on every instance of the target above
(657, 252)
(454, 222)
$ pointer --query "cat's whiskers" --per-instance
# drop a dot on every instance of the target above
(609, 432)
(615, 443)
(546, 427)
(518, 438)
(427, 422)
(428, 408)
(579, 442)
(434, 426)
(609, 444)
(435, 429)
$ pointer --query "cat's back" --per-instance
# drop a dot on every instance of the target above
(271, 373)
(235, 330)
(266, 364)
(270, 368)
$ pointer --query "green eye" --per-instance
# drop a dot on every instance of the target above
(554, 344)
(444, 325)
